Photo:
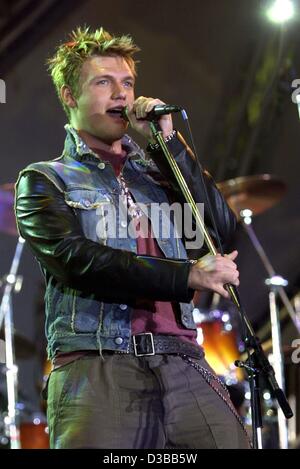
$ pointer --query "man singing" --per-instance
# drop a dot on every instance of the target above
(127, 370)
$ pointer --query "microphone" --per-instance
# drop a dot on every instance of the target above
(158, 110)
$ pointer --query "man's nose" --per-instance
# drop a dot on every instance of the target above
(118, 91)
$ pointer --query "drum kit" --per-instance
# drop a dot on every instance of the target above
(247, 197)
(19, 427)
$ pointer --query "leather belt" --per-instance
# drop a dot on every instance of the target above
(148, 344)
(141, 345)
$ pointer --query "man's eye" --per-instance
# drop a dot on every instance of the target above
(128, 84)
(101, 82)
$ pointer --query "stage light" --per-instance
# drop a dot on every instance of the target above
(267, 396)
(281, 11)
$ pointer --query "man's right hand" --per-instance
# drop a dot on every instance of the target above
(213, 272)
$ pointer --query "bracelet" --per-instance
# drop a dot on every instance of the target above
(193, 261)
(156, 146)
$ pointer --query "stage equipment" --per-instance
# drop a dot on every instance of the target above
(249, 196)
(10, 284)
(257, 363)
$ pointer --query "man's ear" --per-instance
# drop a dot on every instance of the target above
(67, 96)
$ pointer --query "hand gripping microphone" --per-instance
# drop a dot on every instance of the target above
(157, 111)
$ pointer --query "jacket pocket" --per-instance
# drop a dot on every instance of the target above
(86, 315)
(95, 211)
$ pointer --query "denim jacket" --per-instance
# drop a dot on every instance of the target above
(88, 304)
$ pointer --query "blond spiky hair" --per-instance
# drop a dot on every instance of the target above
(65, 66)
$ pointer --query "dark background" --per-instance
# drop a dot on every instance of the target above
(222, 61)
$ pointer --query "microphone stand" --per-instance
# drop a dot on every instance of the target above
(256, 363)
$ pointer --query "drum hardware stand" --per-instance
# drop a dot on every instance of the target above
(256, 357)
(246, 216)
(12, 282)
(276, 286)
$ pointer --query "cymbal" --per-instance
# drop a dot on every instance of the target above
(23, 347)
(257, 193)
(7, 214)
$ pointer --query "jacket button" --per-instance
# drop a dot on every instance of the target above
(123, 224)
(123, 307)
(118, 340)
(185, 317)
(101, 165)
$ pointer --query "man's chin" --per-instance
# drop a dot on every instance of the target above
(110, 137)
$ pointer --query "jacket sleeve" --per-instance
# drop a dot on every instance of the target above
(186, 160)
(54, 234)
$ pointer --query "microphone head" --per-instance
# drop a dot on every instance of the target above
(157, 111)
(124, 113)
(163, 109)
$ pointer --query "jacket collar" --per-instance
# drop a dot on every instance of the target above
(76, 148)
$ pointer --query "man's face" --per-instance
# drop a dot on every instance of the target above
(107, 85)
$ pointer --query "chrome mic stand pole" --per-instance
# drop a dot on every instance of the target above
(6, 314)
(275, 284)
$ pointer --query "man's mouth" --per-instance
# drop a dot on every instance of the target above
(116, 112)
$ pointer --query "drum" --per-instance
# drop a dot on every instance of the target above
(220, 342)
(34, 434)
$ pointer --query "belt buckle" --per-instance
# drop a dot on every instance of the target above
(136, 345)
